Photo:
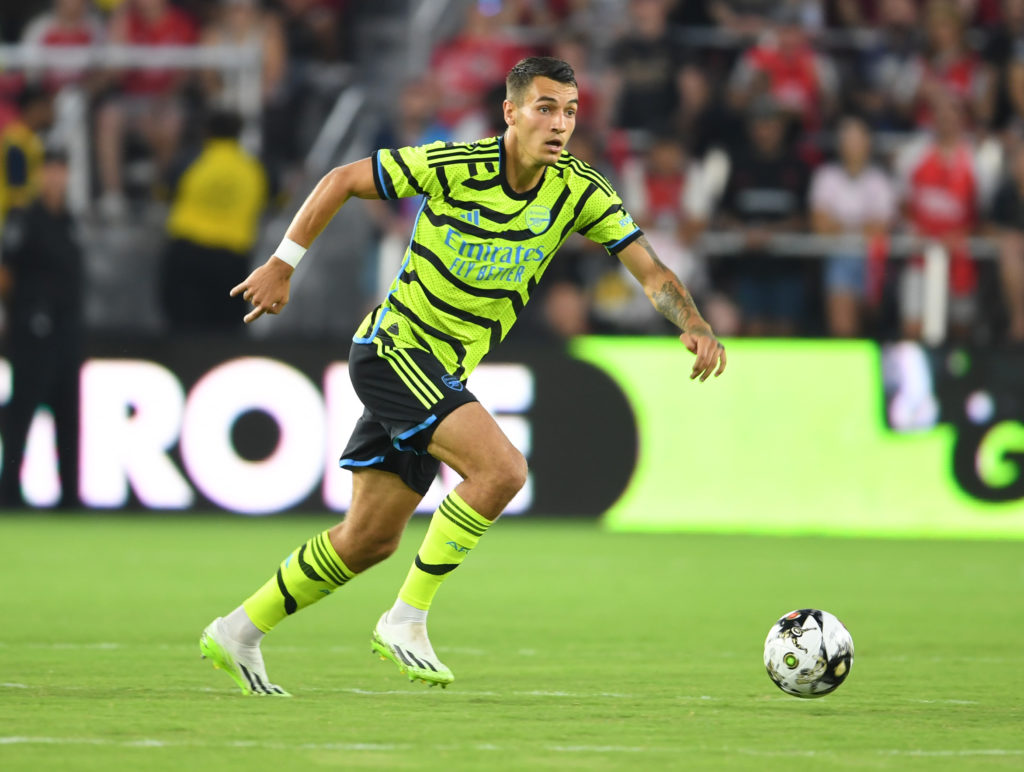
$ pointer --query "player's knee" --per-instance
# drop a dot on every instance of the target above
(376, 547)
(508, 476)
(361, 549)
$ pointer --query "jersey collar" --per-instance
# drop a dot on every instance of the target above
(525, 195)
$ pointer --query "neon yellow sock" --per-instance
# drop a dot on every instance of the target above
(455, 529)
(313, 571)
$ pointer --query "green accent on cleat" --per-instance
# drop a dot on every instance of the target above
(443, 676)
(221, 659)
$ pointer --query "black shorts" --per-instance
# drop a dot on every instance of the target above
(405, 393)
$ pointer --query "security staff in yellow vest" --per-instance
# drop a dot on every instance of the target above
(213, 224)
(22, 150)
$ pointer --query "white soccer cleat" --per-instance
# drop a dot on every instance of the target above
(244, 664)
(408, 646)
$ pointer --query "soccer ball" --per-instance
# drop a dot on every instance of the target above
(808, 653)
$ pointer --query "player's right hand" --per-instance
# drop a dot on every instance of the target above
(267, 288)
(709, 352)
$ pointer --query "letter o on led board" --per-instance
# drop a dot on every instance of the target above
(290, 472)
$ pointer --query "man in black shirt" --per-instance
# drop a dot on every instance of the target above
(641, 86)
(766, 194)
(1008, 217)
(41, 278)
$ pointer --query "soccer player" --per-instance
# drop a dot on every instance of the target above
(494, 213)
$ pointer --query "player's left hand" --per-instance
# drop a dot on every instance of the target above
(701, 341)
(267, 288)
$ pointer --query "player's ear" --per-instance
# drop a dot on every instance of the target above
(510, 112)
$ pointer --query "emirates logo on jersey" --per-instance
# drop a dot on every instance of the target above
(538, 218)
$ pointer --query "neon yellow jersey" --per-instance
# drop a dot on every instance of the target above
(478, 248)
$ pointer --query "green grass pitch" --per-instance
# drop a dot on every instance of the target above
(572, 648)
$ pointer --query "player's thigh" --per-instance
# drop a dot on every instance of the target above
(470, 441)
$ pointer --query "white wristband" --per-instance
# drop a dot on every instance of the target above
(289, 251)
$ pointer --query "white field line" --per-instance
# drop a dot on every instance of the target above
(459, 650)
(945, 702)
(413, 692)
(845, 753)
(150, 742)
(285, 649)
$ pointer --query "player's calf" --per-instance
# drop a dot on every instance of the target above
(363, 547)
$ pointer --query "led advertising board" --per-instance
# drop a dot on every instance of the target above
(824, 437)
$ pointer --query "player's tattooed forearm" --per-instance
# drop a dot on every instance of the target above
(675, 304)
(672, 300)
(642, 241)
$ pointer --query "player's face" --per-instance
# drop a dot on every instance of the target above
(545, 120)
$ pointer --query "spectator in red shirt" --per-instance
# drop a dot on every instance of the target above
(784, 65)
(67, 23)
(941, 189)
(470, 63)
(948, 66)
(147, 101)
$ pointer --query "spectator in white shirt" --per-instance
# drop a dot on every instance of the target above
(850, 197)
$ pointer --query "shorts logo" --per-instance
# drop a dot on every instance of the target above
(452, 382)
(538, 218)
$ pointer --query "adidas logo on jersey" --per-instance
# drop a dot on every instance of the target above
(471, 217)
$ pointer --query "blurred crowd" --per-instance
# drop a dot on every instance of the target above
(762, 119)
(754, 118)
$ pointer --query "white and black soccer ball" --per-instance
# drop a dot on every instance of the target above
(808, 653)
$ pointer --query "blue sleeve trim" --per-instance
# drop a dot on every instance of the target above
(378, 177)
(624, 241)
(407, 434)
(352, 462)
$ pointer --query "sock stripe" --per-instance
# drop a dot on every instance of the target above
(334, 558)
(461, 523)
(315, 552)
(323, 552)
(331, 568)
(467, 511)
(306, 568)
(460, 520)
(290, 604)
(435, 569)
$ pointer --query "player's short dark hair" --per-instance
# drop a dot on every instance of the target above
(521, 76)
